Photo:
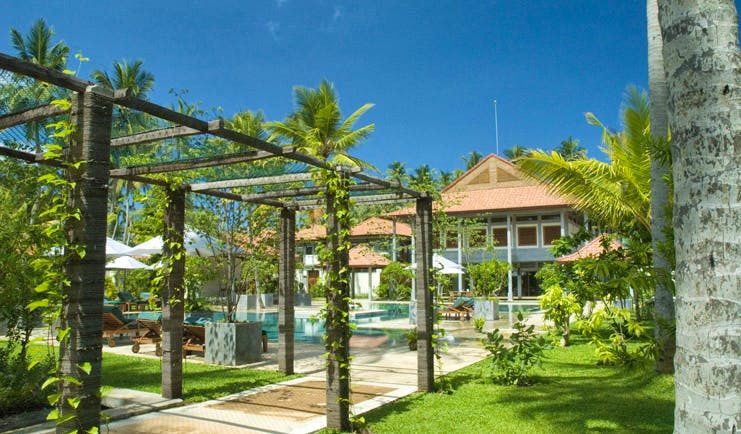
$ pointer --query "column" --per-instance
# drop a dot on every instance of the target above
(173, 312)
(286, 277)
(425, 317)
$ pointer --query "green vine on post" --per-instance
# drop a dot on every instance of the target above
(58, 222)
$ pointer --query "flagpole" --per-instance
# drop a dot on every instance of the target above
(496, 126)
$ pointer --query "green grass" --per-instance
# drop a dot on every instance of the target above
(201, 382)
(571, 394)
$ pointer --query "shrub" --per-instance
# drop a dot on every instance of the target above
(396, 282)
(478, 323)
(488, 277)
(624, 330)
(559, 307)
(20, 387)
(512, 364)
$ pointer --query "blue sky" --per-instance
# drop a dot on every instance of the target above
(433, 69)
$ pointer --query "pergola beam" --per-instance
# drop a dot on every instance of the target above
(196, 163)
(249, 182)
(360, 200)
(153, 136)
(29, 157)
(298, 192)
(30, 115)
(47, 75)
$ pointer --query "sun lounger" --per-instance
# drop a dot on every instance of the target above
(194, 339)
(149, 326)
(114, 323)
(460, 307)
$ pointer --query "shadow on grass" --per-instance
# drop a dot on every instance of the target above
(200, 382)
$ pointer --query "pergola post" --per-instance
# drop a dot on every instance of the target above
(337, 325)
(423, 258)
(286, 278)
(82, 306)
(173, 311)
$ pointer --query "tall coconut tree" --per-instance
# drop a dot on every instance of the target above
(702, 62)
(316, 126)
(37, 46)
(516, 152)
(472, 159)
(663, 296)
(616, 193)
(570, 149)
(139, 81)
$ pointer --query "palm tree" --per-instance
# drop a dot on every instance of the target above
(472, 159)
(516, 152)
(132, 76)
(663, 296)
(37, 46)
(615, 194)
(570, 149)
(423, 178)
(317, 128)
(702, 63)
(397, 171)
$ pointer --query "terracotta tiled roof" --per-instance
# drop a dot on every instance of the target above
(591, 249)
(362, 256)
(496, 199)
(372, 226)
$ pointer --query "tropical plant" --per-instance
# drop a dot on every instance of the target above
(396, 282)
(489, 277)
(558, 307)
(316, 126)
(479, 323)
(512, 362)
(615, 194)
(516, 152)
(628, 343)
(37, 46)
(570, 149)
(471, 159)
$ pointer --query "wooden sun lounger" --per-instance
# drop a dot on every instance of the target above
(149, 328)
(195, 339)
(114, 323)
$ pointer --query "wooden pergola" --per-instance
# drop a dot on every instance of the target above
(91, 115)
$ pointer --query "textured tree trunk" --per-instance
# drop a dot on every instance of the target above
(82, 308)
(425, 318)
(664, 324)
(286, 277)
(703, 67)
(172, 296)
(337, 326)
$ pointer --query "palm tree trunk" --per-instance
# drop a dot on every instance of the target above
(82, 308)
(663, 297)
(703, 69)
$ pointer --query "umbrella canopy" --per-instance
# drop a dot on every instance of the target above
(195, 245)
(127, 263)
(444, 265)
(115, 248)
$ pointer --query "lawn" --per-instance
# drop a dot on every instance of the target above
(571, 395)
(201, 382)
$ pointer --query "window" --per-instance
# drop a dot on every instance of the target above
(499, 235)
(550, 234)
(527, 236)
